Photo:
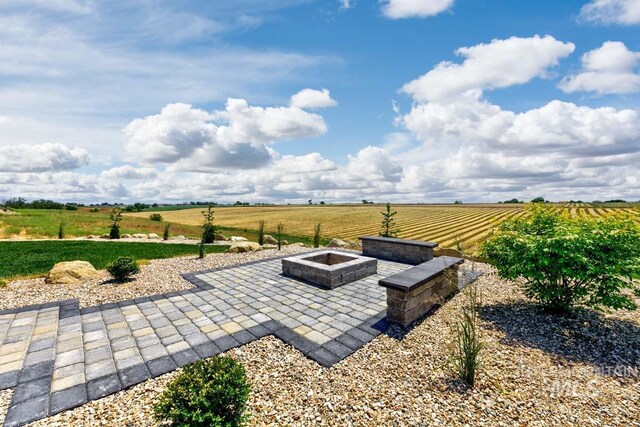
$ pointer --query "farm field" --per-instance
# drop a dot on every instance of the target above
(445, 224)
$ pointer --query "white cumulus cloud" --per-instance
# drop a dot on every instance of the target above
(609, 69)
(623, 12)
(41, 158)
(470, 144)
(498, 64)
(400, 9)
(236, 137)
(311, 98)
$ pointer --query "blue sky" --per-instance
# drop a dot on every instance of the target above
(400, 100)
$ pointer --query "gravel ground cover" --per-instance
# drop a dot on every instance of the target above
(159, 276)
(538, 370)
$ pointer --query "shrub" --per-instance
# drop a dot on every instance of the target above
(155, 217)
(261, 226)
(123, 268)
(94, 210)
(3, 283)
(61, 231)
(563, 261)
(388, 222)
(467, 345)
(207, 393)
(165, 234)
(316, 235)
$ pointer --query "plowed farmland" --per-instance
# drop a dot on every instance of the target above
(445, 224)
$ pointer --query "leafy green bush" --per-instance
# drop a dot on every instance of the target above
(207, 393)
(562, 262)
(61, 231)
(165, 234)
(155, 217)
(122, 268)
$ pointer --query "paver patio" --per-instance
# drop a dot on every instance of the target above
(58, 356)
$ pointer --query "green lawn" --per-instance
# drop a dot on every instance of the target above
(18, 259)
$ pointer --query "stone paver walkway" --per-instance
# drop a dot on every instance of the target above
(58, 356)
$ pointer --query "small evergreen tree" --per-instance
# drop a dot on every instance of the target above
(61, 231)
(208, 229)
(116, 217)
(165, 235)
(388, 222)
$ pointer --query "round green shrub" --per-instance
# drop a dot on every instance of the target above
(562, 262)
(123, 268)
(207, 393)
(155, 217)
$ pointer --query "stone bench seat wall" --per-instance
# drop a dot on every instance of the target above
(412, 252)
(413, 292)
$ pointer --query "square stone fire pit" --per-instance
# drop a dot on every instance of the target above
(329, 269)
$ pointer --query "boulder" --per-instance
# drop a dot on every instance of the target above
(299, 245)
(284, 242)
(240, 247)
(180, 237)
(337, 243)
(140, 236)
(125, 236)
(219, 236)
(269, 246)
(238, 239)
(70, 272)
(154, 236)
(105, 236)
(92, 236)
(343, 244)
(270, 240)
